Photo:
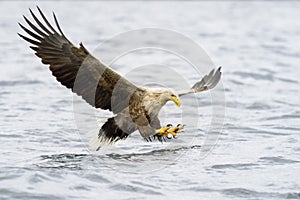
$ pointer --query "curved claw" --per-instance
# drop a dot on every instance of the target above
(174, 131)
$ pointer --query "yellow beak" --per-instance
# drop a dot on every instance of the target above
(176, 100)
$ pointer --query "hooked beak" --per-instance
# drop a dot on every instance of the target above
(176, 100)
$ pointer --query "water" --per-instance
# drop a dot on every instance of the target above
(257, 155)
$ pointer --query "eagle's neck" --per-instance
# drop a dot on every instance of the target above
(153, 108)
(153, 102)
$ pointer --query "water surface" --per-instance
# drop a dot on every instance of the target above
(257, 155)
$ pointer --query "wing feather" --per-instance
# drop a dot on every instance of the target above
(209, 81)
(74, 67)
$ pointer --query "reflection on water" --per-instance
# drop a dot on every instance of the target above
(73, 161)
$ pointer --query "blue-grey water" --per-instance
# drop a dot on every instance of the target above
(257, 156)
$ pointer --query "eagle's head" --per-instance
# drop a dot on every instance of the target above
(165, 95)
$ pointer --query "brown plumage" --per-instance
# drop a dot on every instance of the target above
(135, 108)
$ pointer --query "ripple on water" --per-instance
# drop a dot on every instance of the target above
(13, 194)
(62, 161)
(19, 82)
(284, 116)
(238, 166)
(293, 196)
(278, 160)
(255, 76)
(259, 106)
(252, 194)
(135, 189)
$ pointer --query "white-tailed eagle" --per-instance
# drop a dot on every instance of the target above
(134, 107)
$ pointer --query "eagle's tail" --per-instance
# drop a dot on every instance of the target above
(110, 133)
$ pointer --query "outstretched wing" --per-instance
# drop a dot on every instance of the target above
(75, 68)
(207, 82)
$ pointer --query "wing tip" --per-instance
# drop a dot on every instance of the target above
(38, 8)
(21, 25)
(57, 24)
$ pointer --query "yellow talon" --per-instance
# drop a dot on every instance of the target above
(164, 130)
(176, 130)
(173, 131)
(169, 132)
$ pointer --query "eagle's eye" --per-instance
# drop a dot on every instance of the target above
(172, 95)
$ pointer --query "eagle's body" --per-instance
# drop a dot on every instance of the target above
(135, 107)
(141, 114)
